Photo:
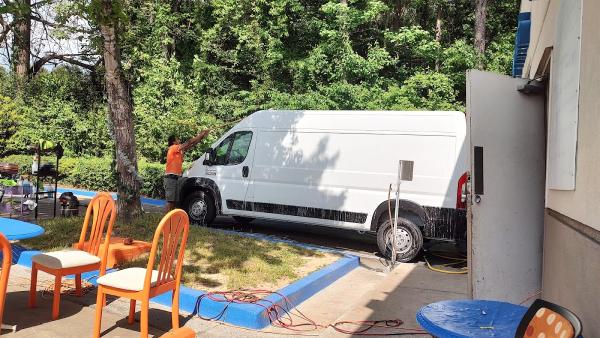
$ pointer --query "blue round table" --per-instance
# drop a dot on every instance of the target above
(14, 229)
(471, 318)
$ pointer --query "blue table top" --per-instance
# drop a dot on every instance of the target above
(471, 318)
(14, 229)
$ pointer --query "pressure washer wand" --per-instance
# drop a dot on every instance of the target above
(395, 223)
(405, 173)
(219, 126)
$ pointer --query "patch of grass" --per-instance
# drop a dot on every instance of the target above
(213, 259)
(60, 233)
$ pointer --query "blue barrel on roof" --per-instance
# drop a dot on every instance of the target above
(521, 43)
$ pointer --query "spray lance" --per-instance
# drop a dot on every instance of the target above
(405, 173)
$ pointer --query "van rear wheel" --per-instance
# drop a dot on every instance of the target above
(409, 240)
(200, 207)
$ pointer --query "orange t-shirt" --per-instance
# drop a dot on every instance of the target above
(174, 160)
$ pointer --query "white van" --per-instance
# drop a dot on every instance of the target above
(334, 168)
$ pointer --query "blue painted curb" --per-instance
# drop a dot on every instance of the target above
(245, 315)
(87, 193)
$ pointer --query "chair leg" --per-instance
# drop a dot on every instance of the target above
(78, 285)
(131, 317)
(32, 289)
(175, 309)
(56, 298)
(100, 297)
(144, 319)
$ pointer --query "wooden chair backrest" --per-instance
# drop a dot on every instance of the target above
(6, 264)
(100, 212)
(173, 229)
(545, 319)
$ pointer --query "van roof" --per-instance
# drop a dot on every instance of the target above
(440, 121)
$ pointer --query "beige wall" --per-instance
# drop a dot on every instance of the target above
(571, 267)
(542, 33)
(571, 271)
(583, 204)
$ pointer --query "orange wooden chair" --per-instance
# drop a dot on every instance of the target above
(6, 263)
(142, 284)
(545, 319)
(182, 332)
(88, 256)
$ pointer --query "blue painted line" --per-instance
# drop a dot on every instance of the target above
(245, 315)
(88, 193)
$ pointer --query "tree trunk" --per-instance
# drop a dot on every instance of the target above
(22, 42)
(397, 14)
(438, 32)
(169, 48)
(121, 116)
(480, 20)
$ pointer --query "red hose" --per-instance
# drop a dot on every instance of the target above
(282, 315)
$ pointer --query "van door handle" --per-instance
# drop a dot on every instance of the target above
(245, 171)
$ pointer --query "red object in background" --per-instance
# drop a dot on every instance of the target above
(462, 181)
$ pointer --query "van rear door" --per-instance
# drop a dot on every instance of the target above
(231, 168)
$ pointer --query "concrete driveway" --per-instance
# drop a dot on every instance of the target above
(370, 292)
(364, 294)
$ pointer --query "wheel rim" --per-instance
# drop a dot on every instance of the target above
(404, 241)
(198, 210)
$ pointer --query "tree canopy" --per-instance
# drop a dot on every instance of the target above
(196, 64)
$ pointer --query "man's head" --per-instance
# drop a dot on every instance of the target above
(173, 140)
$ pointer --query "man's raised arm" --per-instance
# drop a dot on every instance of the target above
(194, 140)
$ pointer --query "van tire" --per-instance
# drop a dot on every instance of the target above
(243, 220)
(410, 245)
(200, 207)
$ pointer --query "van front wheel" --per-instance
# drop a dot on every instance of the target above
(200, 207)
(409, 240)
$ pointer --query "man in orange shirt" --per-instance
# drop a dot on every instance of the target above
(174, 167)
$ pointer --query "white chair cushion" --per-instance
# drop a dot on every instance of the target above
(68, 258)
(131, 279)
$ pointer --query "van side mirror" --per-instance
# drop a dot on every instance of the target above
(209, 157)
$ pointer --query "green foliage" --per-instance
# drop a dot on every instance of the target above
(429, 91)
(8, 122)
(414, 48)
(198, 64)
(89, 173)
(499, 54)
(62, 106)
(457, 59)
(164, 104)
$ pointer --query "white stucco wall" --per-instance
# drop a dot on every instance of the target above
(542, 34)
(583, 203)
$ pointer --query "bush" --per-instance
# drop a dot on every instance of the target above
(96, 173)
(8, 122)
(64, 106)
(90, 173)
